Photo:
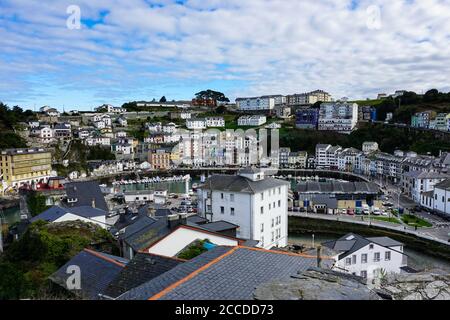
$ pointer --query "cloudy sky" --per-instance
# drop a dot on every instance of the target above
(140, 49)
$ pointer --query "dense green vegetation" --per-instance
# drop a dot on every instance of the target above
(409, 103)
(211, 94)
(193, 250)
(36, 203)
(388, 138)
(9, 120)
(27, 263)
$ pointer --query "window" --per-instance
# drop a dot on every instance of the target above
(262, 227)
(270, 206)
(279, 203)
(232, 197)
(273, 236)
(279, 190)
(222, 210)
(364, 258)
(262, 210)
(348, 261)
(262, 195)
(387, 256)
(221, 196)
(272, 223)
(364, 274)
(376, 257)
(354, 259)
(370, 246)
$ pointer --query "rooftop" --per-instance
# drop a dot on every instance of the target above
(236, 183)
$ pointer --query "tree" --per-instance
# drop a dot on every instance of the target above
(211, 94)
(432, 95)
(221, 109)
(163, 99)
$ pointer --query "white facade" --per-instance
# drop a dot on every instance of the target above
(260, 215)
(369, 146)
(215, 122)
(98, 141)
(176, 241)
(194, 124)
(253, 121)
(327, 156)
(256, 103)
(369, 260)
(339, 116)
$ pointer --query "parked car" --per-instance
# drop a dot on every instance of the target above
(376, 211)
(351, 212)
(344, 211)
(366, 212)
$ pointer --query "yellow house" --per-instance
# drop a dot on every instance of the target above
(22, 166)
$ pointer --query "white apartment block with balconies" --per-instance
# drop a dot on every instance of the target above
(338, 116)
(255, 104)
(257, 204)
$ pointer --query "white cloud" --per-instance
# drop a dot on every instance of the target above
(268, 46)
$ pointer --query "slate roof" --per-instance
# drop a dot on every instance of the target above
(141, 269)
(236, 183)
(97, 271)
(197, 219)
(54, 213)
(145, 231)
(218, 226)
(85, 192)
(352, 242)
(443, 185)
(337, 187)
(231, 274)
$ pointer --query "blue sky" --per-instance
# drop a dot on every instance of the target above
(142, 49)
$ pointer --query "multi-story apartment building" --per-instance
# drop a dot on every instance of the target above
(348, 159)
(442, 122)
(367, 113)
(252, 121)
(369, 146)
(283, 155)
(62, 131)
(298, 159)
(265, 103)
(25, 166)
(308, 98)
(327, 156)
(422, 119)
(254, 202)
(307, 118)
(160, 158)
(215, 122)
(196, 124)
(339, 116)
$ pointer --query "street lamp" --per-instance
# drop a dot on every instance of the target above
(313, 240)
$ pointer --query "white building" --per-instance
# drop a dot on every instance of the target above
(338, 116)
(98, 141)
(252, 121)
(82, 213)
(169, 128)
(438, 199)
(122, 121)
(215, 122)
(369, 146)
(255, 103)
(176, 241)
(327, 156)
(196, 123)
(367, 257)
(257, 204)
(414, 183)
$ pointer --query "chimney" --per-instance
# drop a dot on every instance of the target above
(93, 202)
(173, 221)
(319, 258)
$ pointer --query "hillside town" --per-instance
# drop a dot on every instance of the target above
(178, 187)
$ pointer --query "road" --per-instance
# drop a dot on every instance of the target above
(436, 233)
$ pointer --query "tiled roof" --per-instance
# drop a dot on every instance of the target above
(222, 273)
(141, 269)
(97, 271)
